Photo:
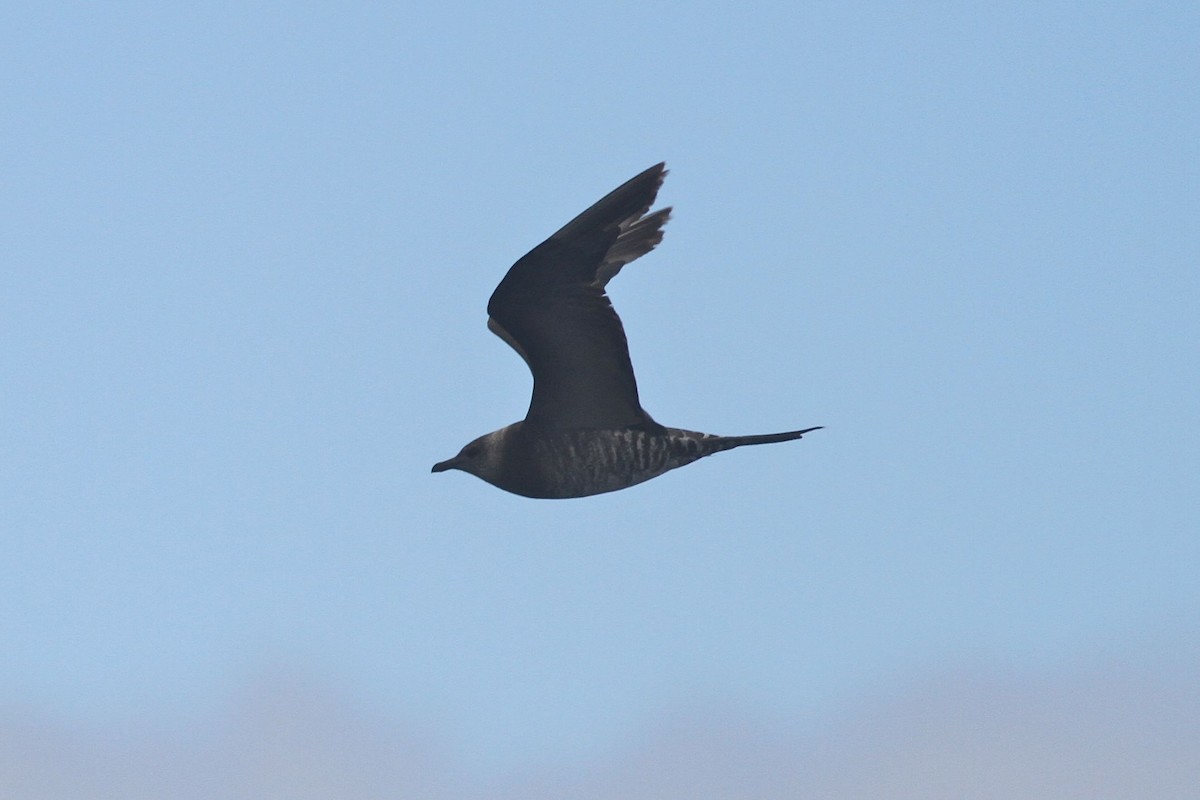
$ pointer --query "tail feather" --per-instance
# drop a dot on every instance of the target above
(730, 442)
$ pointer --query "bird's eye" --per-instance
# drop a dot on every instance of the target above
(471, 452)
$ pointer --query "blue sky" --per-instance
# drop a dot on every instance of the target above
(248, 251)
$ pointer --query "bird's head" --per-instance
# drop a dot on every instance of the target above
(481, 458)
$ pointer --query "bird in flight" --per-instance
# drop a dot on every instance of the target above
(585, 432)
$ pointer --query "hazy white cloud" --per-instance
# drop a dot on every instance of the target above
(278, 739)
(1122, 735)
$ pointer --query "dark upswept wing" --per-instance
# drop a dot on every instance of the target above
(551, 308)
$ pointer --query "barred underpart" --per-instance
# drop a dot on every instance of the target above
(580, 463)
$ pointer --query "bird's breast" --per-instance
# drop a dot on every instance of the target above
(578, 463)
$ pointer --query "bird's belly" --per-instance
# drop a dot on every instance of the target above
(585, 462)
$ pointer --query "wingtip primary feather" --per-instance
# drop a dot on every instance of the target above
(629, 201)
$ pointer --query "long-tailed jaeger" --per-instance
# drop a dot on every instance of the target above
(585, 432)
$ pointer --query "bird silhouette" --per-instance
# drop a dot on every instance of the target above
(585, 432)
